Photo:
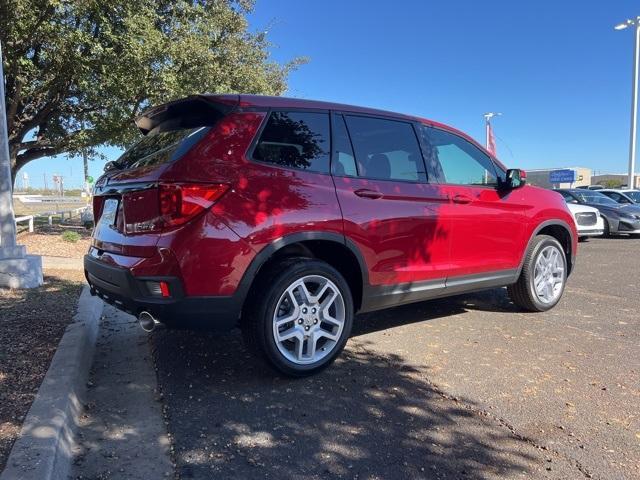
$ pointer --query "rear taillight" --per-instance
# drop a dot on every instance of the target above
(180, 203)
(168, 206)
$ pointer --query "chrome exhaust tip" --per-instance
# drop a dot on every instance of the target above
(147, 322)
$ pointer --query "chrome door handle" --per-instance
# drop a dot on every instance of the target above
(463, 199)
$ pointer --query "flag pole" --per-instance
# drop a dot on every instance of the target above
(488, 133)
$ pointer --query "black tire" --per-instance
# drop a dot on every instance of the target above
(583, 239)
(607, 228)
(263, 298)
(523, 291)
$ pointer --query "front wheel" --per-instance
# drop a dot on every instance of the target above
(543, 277)
(301, 316)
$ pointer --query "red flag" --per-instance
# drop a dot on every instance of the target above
(491, 141)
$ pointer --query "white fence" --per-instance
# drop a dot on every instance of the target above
(49, 216)
(28, 218)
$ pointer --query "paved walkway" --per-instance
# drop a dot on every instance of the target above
(122, 434)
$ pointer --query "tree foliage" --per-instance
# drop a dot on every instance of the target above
(79, 71)
(611, 183)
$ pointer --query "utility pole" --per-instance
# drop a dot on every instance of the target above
(17, 269)
(634, 98)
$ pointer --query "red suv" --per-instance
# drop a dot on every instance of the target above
(286, 217)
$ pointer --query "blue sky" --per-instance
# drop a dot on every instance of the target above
(557, 71)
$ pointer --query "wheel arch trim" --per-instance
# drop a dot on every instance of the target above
(538, 229)
(267, 252)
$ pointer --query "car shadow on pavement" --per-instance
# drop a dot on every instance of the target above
(368, 416)
(495, 300)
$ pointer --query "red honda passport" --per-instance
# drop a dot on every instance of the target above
(286, 217)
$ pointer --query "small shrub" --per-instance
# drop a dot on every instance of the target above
(70, 236)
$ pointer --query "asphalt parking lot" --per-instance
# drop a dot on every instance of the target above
(467, 387)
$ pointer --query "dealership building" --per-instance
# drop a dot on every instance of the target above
(571, 177)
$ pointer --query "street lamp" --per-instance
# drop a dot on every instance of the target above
(634, 97)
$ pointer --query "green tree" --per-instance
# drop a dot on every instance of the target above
(79, 71)
(611, 183)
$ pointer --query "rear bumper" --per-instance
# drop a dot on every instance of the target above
(120, 288)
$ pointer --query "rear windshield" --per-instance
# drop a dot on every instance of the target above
(159, 148)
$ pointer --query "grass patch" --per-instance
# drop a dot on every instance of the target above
(71, 236)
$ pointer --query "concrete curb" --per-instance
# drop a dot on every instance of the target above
(44, 448)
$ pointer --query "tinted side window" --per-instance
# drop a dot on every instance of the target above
(568, 197)
(295, 139)
(386, 149)
(456, 160)
(344, 163)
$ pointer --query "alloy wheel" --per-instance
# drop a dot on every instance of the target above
(309, 319)
(549, 277)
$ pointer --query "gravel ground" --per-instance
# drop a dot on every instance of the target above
(31, 325)
(461, 388)
(47, 240)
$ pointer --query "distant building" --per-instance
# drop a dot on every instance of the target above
(620, 178)
(569, 177)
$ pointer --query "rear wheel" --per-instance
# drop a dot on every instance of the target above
(300, 316)
(543, 277)
(607, 228)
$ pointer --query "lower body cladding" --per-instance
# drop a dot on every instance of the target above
(161, 299)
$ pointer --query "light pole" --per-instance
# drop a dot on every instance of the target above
(634, 97)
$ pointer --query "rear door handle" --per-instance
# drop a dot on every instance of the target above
(461, 199)
(366, 193)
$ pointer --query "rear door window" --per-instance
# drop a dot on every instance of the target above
(386, 149)
(296, 140)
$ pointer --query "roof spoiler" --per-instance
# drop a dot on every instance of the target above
(189, 112)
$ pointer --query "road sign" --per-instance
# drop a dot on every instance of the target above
(562, 176)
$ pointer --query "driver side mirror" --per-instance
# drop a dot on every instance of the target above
(516, 178)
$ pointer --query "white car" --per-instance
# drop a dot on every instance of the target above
(588, 220)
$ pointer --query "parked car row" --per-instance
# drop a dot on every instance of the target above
(618, 209)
